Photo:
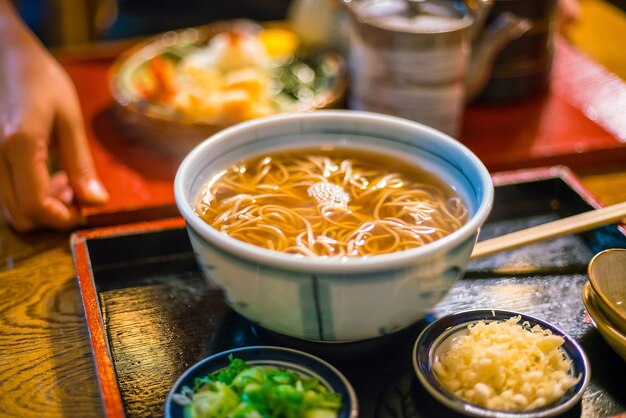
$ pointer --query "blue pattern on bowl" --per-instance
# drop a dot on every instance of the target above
(298, 361)
(335, 299)
(439, 333)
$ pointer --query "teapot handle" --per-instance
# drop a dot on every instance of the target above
(480, 9)
(500, 32)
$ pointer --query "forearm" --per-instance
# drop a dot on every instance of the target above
(13, 32)
(22, 57)
(10, 22)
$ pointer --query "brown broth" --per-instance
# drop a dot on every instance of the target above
(331, 202)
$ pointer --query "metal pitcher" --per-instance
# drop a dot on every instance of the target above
(423, 60)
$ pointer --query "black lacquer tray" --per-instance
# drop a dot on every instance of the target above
(151, 314)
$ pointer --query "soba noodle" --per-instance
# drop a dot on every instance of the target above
(330, 203)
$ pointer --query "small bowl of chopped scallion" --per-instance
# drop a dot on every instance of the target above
(259, 382)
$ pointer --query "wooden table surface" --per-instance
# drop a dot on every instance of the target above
(46, 364)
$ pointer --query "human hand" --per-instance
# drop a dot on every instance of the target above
(568, 11)
(39, 110)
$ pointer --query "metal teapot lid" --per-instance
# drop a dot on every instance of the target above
(414, 16)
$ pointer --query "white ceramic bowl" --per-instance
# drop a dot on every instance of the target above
(334, 299)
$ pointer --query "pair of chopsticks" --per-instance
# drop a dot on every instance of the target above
(570, 225)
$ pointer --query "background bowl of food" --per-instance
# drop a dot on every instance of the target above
(500, 364)
(262, 380)
(173, 90)
(333, 225)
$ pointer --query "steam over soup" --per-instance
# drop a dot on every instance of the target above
(334, 202)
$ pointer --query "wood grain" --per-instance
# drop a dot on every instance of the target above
(182, 320)
(46, 368)
(607, 183)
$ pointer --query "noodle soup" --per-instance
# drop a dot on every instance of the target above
(330, 202)
(281, 168)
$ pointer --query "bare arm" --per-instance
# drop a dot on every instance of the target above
(39, 109)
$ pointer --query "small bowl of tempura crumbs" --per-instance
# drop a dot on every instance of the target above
(500, 364)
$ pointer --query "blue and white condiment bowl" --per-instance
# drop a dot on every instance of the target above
(268, 356)
(335, 299)
(438, 337)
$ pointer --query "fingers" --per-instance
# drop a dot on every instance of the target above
(568, 11)
(61, 189)
(76, 156)
(8, 201)
(25, 186)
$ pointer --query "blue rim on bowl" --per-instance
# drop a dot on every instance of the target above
(432, 338)
(367, 131)
(286, 358)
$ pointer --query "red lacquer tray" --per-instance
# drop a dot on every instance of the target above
(144, 277)
(579, 122)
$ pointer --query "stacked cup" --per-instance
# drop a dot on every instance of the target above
(604, 296)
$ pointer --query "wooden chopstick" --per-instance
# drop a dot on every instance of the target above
(570, 225)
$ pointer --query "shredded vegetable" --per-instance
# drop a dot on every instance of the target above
(507, 365)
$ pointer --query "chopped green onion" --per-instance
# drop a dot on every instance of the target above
(244, 391)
